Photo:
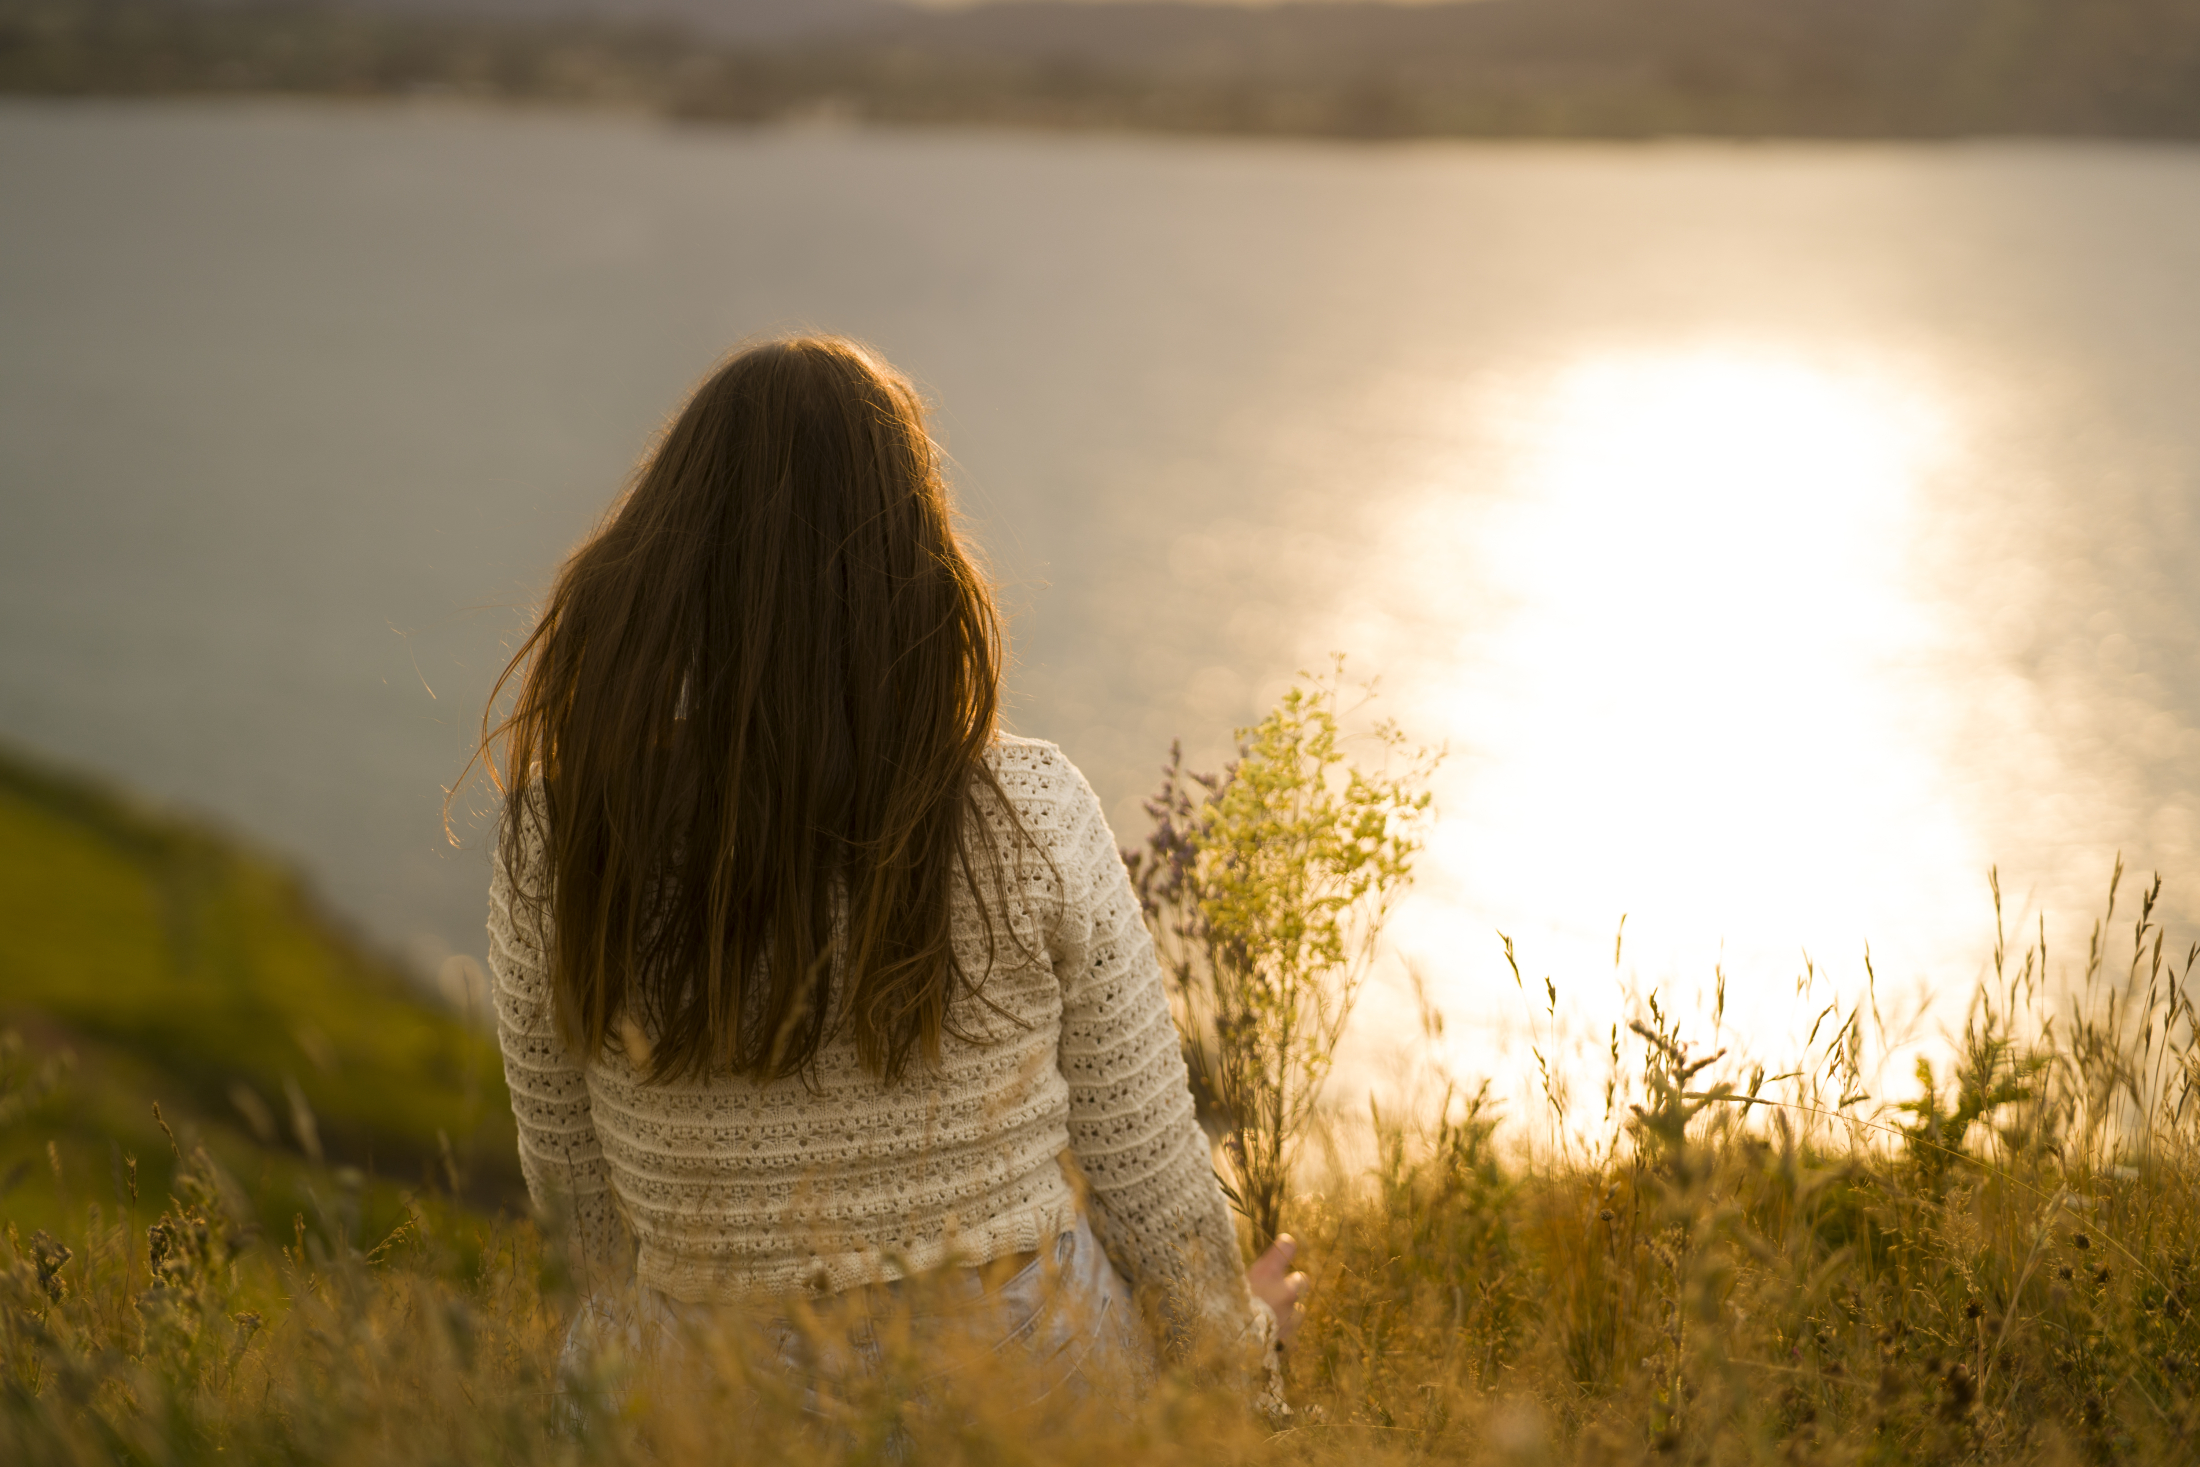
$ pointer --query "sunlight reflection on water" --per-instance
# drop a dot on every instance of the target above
(1704, 664)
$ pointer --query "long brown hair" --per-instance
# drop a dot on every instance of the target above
(754, 713)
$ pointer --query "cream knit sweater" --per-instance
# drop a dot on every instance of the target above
(728, 1188)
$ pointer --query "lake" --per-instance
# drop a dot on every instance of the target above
(1777, 536)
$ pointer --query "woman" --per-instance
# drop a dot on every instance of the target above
(807, 977)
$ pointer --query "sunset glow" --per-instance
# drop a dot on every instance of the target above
(1684, 651)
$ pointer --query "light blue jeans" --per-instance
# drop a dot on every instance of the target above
(1065, 1321)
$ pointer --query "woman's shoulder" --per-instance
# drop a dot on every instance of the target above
(1013, 754)
(1009, 750)
(1037, 777)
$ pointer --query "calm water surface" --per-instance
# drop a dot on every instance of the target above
(1778, 536)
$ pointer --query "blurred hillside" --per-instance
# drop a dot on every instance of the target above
(144, 960)
(1496, 68)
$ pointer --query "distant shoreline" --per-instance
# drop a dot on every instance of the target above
(427, 106)
(1497, 70)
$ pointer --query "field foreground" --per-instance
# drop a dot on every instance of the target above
(1997, 1268)
(1990, 1264)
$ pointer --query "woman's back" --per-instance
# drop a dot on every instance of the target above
(808, 978)
(834, 1178)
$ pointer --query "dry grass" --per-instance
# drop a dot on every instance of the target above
(1995, 1268)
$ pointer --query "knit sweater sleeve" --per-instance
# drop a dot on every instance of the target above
(559, 1153)
(1154, 1200)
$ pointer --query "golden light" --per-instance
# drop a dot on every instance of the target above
(1669, 610)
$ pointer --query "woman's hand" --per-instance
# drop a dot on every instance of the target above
(1273, 1284)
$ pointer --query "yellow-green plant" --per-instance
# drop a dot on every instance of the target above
(1267, 887)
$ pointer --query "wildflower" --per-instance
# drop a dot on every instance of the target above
(50, 1254)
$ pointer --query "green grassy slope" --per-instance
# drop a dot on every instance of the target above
(147, 960)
